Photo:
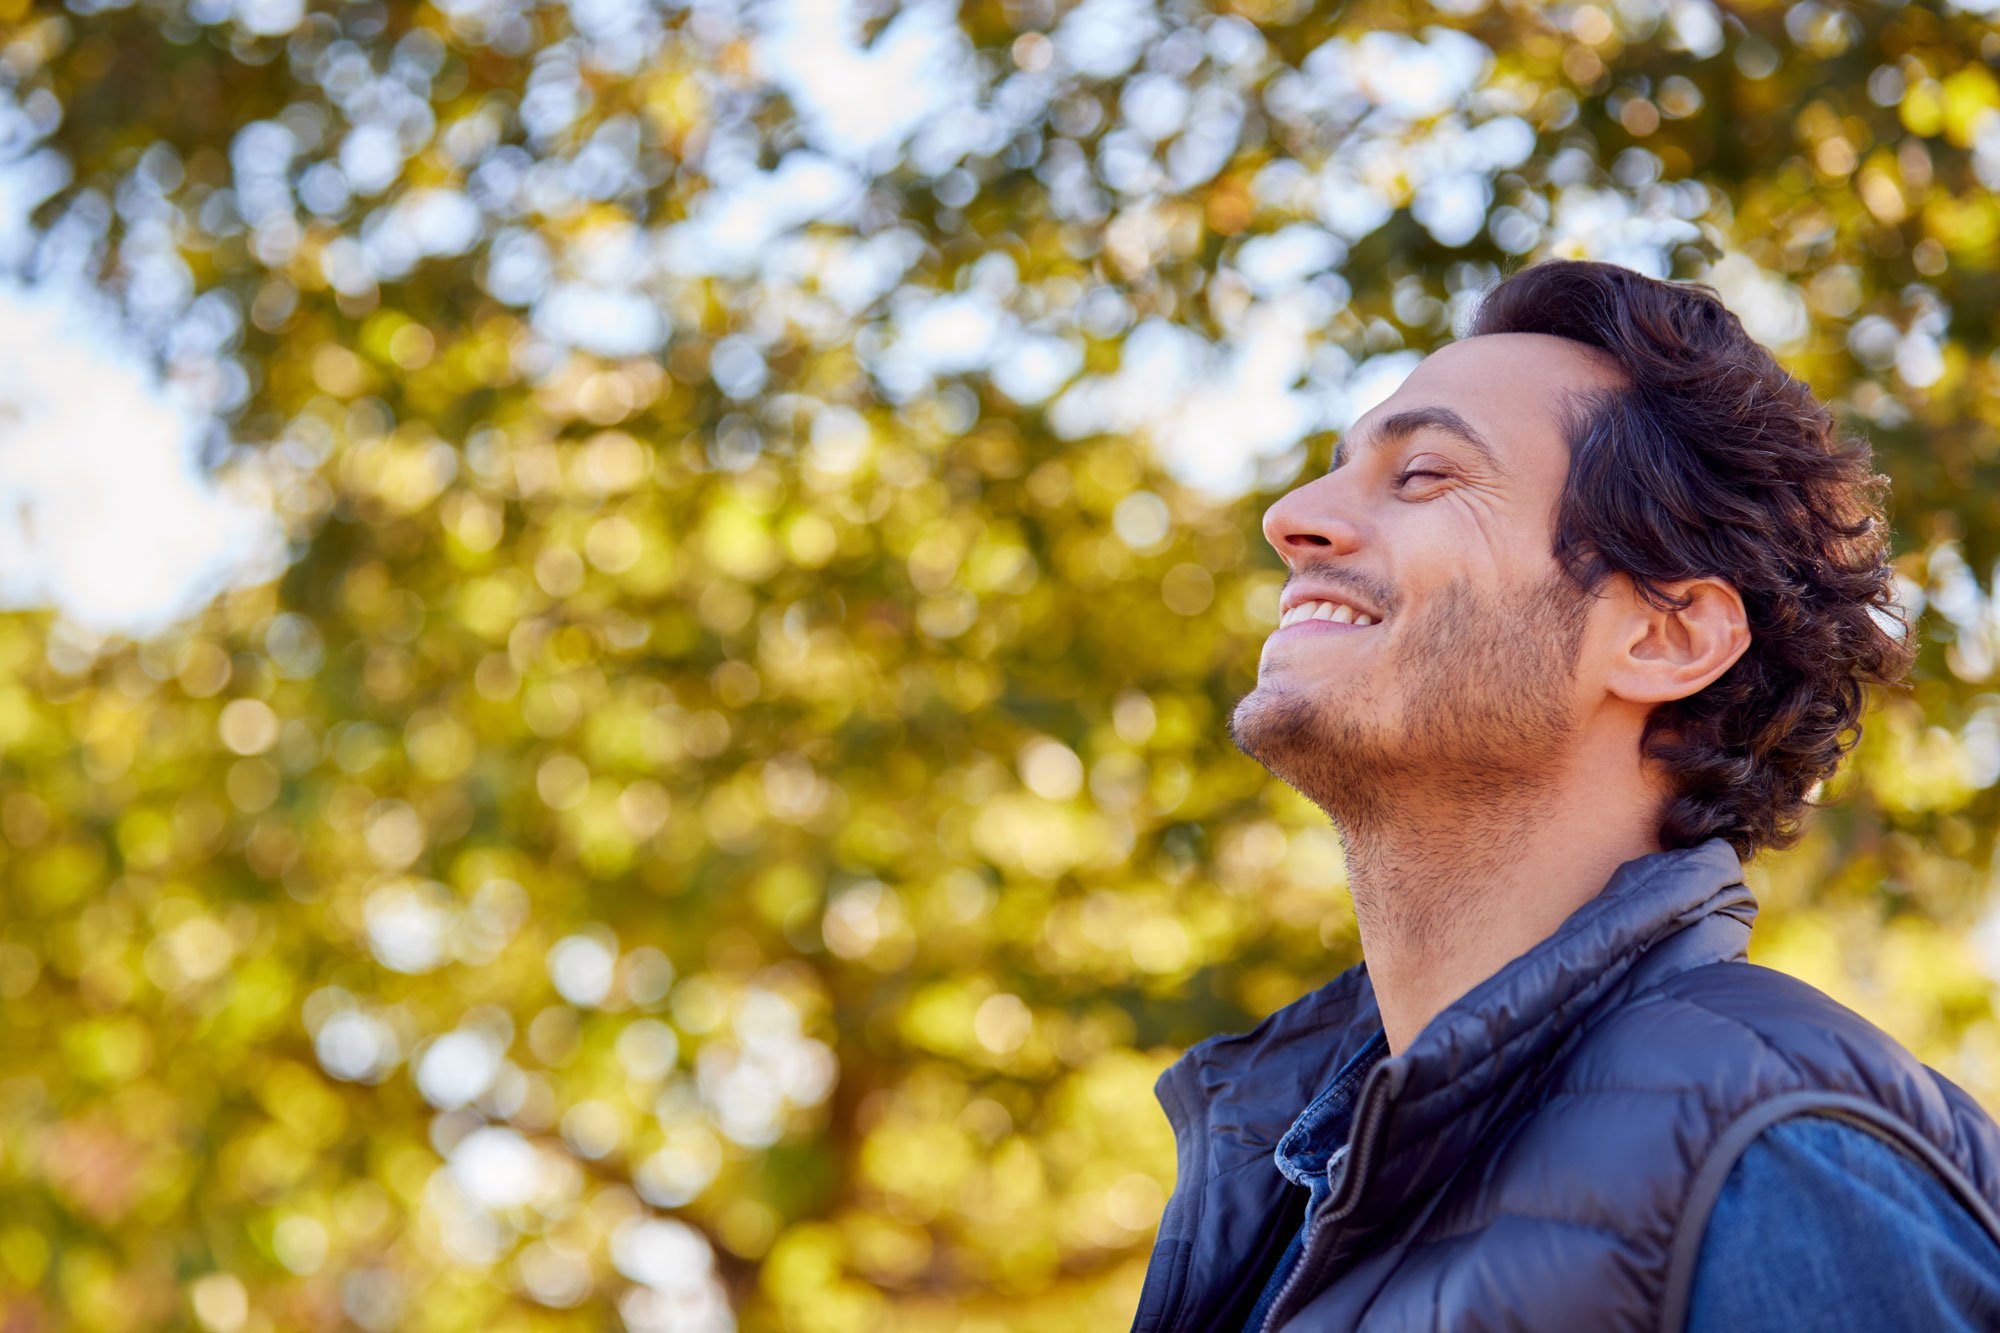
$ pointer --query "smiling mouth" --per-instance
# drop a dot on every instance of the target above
(1338, 613)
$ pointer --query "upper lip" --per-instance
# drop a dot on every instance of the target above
(1302, 591)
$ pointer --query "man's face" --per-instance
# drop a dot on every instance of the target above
(1435, 524)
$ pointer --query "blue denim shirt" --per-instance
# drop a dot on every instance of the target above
(1824, 1226)
(1820, 1226)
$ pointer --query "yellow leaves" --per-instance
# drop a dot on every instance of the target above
(1160, 945)
(736, 541)
(260, 1001)
(58, 876)
(933, 562)
(1051, 769)
(203, 668)
(921, 1165)
(1134, 935)
(403, 471)
(1002, 1023)
(1915, 768)
(885, 1251)
(803, 1277)
(339, 372)
(18, 716)
(491, 606)
(393, 339)
(145, 838)
(601, 395)
(939, 1019)
(1000, 563)
(24, 1254)
(840, 445)
(1954, 107)
(810, 540)
(1913, 975)
(1230, 206)
(947, 615)
(602, 831)
(1880, 189)
(676, 105)
(110, 1050)
(440, 746)
(562, 782)
(614, 544)
(1969, 99)
(247, 726)
(866, 923)
(220, 1302)
(475, 523)
(785, 894)
(394, 834)
(1040, 837)
(252, 785)
(551, 708)
(190, 954)
(1188, 589)
(301, 1101)
(1968, 228)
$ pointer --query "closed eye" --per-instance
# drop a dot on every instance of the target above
(1403, 477)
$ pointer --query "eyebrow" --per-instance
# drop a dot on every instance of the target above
(1441, 419)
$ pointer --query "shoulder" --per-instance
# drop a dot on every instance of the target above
(1750, 1052)
(1736, 1035)
(1809, 1210)
(1752, 1048)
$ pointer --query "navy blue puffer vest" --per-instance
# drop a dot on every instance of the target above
(1544, 1155)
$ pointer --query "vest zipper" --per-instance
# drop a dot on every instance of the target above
(1358, 1161)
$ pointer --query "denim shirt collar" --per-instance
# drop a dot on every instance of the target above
(1308, 1150)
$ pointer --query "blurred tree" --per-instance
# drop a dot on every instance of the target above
(726, 811)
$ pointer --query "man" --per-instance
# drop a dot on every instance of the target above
(1578, 622)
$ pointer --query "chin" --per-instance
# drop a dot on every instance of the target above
(1329, 757)
(1272, 723)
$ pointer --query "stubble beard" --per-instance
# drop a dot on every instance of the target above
(1485, 712)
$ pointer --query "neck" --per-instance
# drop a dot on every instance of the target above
(1456, 883)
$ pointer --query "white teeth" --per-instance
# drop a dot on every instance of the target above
(1338, 612)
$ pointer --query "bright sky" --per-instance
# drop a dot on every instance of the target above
(104, 511)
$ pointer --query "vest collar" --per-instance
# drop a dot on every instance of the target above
(1230, 1098)
(1470, 1068)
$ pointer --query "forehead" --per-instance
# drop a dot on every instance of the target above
(1510, 388)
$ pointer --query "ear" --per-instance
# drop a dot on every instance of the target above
(1665, 655)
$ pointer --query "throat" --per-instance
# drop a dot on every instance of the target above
(1445, 900)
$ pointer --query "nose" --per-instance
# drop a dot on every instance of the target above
(1304, 524)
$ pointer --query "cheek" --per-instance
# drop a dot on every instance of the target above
(1450, 540)
(1498, 550)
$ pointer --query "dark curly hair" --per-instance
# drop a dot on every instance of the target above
(1711, 461)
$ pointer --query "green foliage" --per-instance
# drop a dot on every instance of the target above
(766, 775)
